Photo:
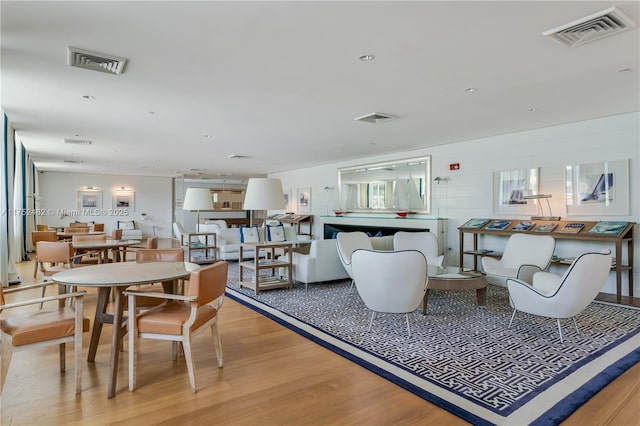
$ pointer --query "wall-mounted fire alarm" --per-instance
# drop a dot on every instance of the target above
(454, 166)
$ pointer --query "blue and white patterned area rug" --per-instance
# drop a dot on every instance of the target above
(462, 357)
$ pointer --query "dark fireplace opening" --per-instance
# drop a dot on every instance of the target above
(331, 229)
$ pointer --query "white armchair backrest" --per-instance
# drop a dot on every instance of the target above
(524, 249)
(347, 243)
(424, 242)
(581, 283)
(390, 281)
(178, 230)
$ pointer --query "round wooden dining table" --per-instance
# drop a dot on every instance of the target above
(118, 276)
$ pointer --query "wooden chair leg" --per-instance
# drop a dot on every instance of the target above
(133, 358)
(63, 358)
(6, 349)
(216, 343)
(78, 345)
(188, 356)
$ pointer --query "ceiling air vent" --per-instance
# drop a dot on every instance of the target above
(375, 117)
(238, 156)
(77, 141)
(72, 161)
(590, 28)
(96, 61)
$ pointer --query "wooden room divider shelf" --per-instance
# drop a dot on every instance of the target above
(620, 266)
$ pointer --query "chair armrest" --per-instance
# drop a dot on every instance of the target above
(161, 296)
(526, 272)
(546, 282)
(490, 263)
(43, 300)
(438, 261)
(520, 292)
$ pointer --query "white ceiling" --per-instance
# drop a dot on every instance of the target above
(281, 81)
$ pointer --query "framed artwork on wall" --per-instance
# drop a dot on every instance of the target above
(89, 199)
(123, 199)
(598, 188)
(509, 189)
(288, 201)
(303, 198)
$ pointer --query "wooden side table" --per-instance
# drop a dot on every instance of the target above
(266, 282)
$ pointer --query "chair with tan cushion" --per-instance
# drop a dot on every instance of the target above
(79, 225)
(42, 227)
(180, 318)
(157, 255)
(116, 255)
(37, 236)
(76, 230)
(53, 257)
(152, 243)
(98, 227)
(56, 326)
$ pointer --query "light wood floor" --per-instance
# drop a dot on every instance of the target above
(271, 376)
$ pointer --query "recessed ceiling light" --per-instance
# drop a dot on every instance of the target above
(532, 109)
(366, 58)
(470, 89)
(152, 112)
(238, 156)
(208, 136)
(89, 97)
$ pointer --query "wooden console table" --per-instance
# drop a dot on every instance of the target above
(625, 236)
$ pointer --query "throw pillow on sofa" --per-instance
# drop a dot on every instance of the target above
(275, 233)
(249, 234)
(127, 225)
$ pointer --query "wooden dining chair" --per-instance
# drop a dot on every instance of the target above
(76, 230)
(55, 326)
(88, 257)
(116, 254)
(179, 318)
(98, 227)
(152, 243)
(79, 225)
(54, 257)
(157, 255)
(37, 236)
(42, 227)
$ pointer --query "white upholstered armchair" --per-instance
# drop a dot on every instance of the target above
(523, 256)
(564, 296)
(347, 243)
(390, 281)
(322, 263)
(424, 242)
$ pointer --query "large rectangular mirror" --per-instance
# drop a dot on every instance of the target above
(402, 185)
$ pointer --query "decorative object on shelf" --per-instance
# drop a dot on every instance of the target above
(606, 227)
(122, 198)
(89, 197)
(197, 199)
(523, 226)
(475, 223)
(510, 188)
(598, 188)
(498, 225)
(540, 215)
(264, 194)
(402, 214)
(571, 228)
(338, 212)
(546, 227)
(304, 200)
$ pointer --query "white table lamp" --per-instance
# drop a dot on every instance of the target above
(197, 199)
(264, 194)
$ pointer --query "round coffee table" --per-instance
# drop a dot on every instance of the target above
(451, 278)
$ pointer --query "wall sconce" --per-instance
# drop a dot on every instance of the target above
(439, 179)
(541, 215)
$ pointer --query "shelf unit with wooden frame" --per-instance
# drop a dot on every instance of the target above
(617, 240)
(261, 282)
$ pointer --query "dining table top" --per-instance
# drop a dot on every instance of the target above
(124, 273)
(62, 234)
(108, 243)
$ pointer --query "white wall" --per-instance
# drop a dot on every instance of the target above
(152, 195)
(467, 192)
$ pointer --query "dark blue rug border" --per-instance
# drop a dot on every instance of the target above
(559, 412)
